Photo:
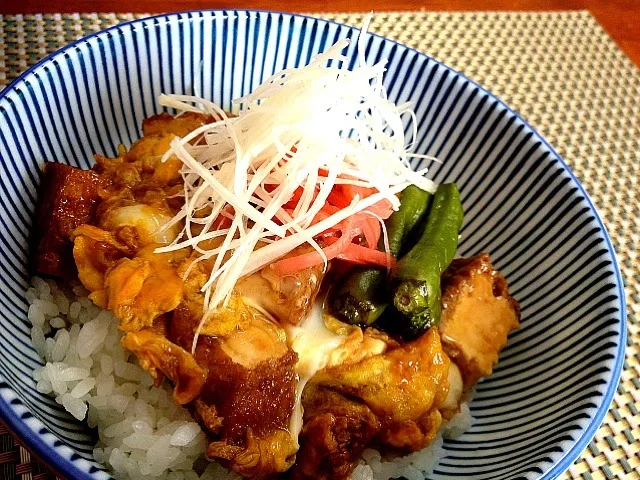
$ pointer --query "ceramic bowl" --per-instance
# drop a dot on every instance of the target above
(558, 374)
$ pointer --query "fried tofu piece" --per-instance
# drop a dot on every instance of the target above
(255, 405)
(248, 397)
(69, 198)
(477, 315)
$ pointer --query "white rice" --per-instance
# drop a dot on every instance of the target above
(142, 433)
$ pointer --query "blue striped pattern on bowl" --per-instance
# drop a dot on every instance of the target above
(557, 376)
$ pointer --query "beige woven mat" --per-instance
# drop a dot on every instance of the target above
(566, 77)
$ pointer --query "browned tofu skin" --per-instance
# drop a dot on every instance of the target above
(248, 395)
(69, 198)
(477, 315)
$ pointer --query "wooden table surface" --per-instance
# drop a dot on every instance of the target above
(620, 18)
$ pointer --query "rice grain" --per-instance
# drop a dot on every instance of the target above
(57, 322)
(36, 315)
(61, 346)
(38, 340)
(74, 406)
(184, 435)
(83, 387)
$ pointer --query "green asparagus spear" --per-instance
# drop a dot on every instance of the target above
(361, 298)
(416, 286)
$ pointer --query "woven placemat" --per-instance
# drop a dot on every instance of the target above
(560, 71)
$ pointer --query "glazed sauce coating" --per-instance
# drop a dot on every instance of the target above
(69, 198)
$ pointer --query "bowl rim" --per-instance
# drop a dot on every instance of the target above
(54, 460)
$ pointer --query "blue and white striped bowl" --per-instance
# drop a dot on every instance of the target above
(557, 376)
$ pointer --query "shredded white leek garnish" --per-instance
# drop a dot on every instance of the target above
(311, 127)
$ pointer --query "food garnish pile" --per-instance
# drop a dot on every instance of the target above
(286, 270)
